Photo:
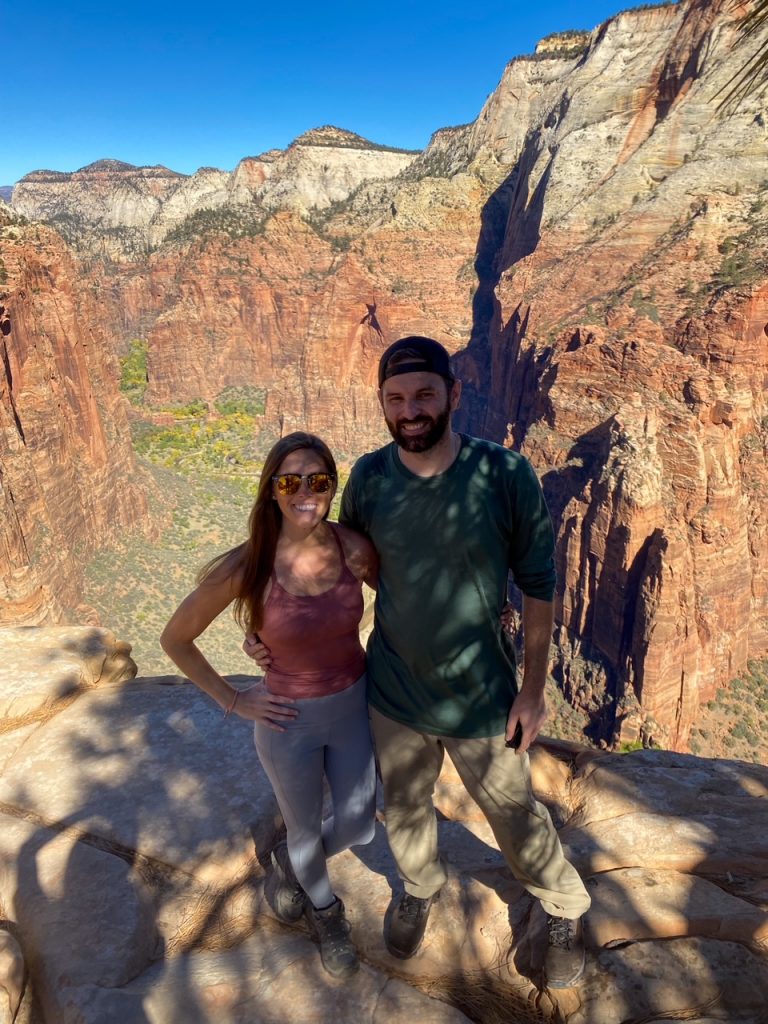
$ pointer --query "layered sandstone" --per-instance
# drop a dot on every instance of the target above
(304, 308)
(627, 356)
(67, 473)
(137, 826)
(115, 208)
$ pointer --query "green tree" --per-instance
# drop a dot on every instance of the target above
(133, 371)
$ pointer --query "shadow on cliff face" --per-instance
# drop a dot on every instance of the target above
(509, 231)
(506, 382)
(603, 668)
(578, 478)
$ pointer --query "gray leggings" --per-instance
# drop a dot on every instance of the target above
(330, 737)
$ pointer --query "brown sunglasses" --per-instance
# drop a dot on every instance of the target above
(289, 483)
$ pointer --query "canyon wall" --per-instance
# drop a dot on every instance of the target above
(594, 250)
(627, 356)
(68, 480)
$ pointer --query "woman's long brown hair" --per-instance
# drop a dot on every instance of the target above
(253, 560)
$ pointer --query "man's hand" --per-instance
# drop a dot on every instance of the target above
(530, 710)
(508, 618)
(255, 649)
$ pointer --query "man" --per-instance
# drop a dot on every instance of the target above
(450, 516)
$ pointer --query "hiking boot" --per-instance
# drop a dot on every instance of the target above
(405, 923)
(288, 898)
(331, 928)
(564, 963)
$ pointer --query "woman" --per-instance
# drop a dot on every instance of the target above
(296, 582)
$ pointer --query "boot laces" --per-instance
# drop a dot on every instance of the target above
(411, 908)
(333, 928)
(560, 932)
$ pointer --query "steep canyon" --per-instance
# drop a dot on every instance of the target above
(593, 249)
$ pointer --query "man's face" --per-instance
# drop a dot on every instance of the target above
(417, 408)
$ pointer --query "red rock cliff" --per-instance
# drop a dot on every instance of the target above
(627, 355)
(66, 465)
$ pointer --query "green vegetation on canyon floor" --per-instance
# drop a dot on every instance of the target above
(205, 462)
(735, 723)
(225, 437)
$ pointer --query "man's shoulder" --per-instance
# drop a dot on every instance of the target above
(371, 464)
(497, 455)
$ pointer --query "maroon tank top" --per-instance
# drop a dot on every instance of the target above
(314, 640)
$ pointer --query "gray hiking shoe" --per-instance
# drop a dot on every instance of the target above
(405, 923)
(564, 963)
(330, 928)
(287, 896)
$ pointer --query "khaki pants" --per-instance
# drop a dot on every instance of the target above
(499, 781)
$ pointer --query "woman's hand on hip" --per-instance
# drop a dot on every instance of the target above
(258, 705)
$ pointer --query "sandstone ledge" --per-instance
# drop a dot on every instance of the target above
(136, 827)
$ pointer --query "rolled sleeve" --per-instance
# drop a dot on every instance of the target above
(532, 540)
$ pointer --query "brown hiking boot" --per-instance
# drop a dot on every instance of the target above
(331, 929)
(285, 895)
(564, 963)
(405, 923)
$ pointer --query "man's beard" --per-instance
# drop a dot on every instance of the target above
(438, 425)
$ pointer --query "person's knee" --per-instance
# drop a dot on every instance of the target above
(409, 794)
(366, 832)
(357, 829)
(362, 834)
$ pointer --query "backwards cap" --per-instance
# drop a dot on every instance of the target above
(415, 354)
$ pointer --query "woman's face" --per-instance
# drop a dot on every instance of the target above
(309, 503)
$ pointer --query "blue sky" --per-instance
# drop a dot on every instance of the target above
(189, 86)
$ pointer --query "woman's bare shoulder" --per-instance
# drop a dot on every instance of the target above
(226, 570)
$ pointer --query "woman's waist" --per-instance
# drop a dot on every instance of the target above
(310, 686)
(308, 659)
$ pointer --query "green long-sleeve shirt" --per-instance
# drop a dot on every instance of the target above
(437, 658)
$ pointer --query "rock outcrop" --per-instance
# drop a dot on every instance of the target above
(44, 666)
(68, 483)
(137, 824)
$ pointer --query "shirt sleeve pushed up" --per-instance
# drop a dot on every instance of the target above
(532, 540)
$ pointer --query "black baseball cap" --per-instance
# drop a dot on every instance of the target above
(415, 354)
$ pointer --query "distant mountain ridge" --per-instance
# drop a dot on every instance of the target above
(125, 210)
(102, 167)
